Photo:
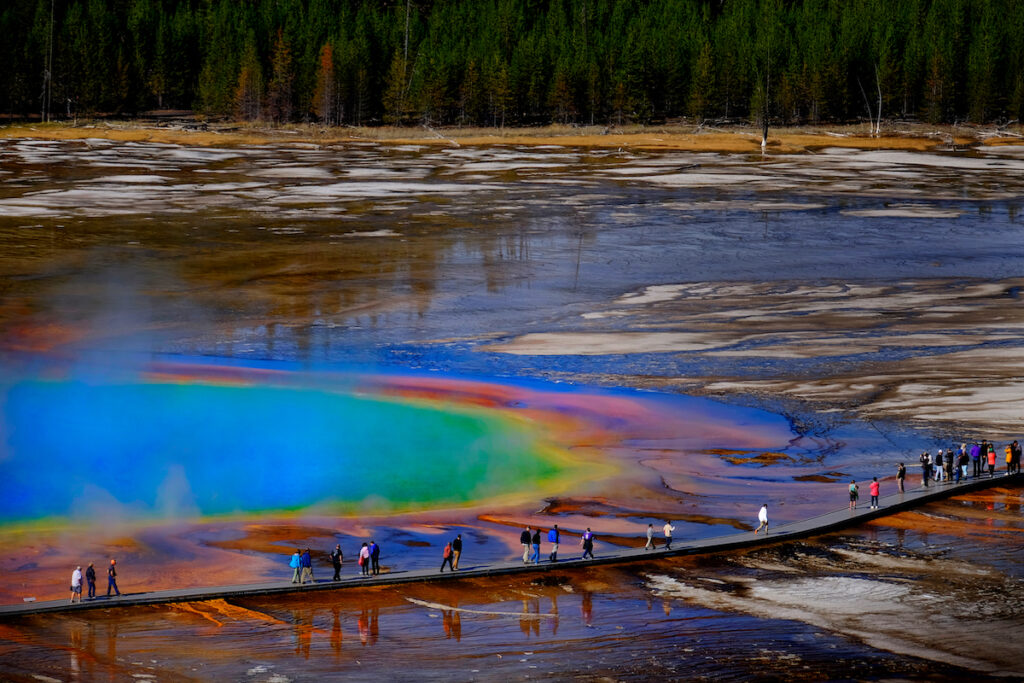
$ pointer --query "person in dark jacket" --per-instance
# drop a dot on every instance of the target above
(456, 551)
(336, 559)
(524, 538)
(535, 540)
(112, 578)
(374, 558)
(587, 541)
(90, 578)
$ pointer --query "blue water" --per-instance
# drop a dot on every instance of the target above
(151, 449)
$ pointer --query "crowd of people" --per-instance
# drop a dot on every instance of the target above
(974, 460)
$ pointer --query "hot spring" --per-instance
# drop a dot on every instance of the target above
(77, 448)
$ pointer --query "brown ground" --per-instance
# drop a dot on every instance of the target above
(670, 137)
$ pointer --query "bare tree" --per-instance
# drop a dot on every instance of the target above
(874, 119)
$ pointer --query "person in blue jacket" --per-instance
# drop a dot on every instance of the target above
(553, 538)
(374, 558)
(296, 564)
(307, 567)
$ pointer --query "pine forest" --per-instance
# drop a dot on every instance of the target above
(522, 62)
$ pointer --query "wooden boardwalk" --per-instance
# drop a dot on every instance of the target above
(814, 526)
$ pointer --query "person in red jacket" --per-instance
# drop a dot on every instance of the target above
(873, 488)
(446, 556)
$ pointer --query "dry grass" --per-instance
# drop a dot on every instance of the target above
(682, 137)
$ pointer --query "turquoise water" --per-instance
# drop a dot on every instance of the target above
(76, 449)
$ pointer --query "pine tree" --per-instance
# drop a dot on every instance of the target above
(249, 92)
(218, 77)
(395, 91)
(561, 99)
(501, 93)
(279, 89)
(702, 91)
(325, 97)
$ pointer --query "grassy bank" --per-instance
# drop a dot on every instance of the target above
(683, 137)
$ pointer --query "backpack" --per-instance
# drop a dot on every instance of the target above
(448, 550)
(553, 536)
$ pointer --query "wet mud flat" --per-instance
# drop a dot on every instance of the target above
(868, 298)
(878, 278)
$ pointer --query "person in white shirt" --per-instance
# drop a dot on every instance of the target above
(762, 517)
(668, 529)
(650, 537)
(76, 584)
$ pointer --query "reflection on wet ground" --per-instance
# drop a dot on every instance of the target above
(895, 598)
(854, 292)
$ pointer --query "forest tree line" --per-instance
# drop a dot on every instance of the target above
(497, 62)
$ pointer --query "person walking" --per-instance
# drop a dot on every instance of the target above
(296, 565)
(667, 530)
(950, 463)
(991, 460)
(1016, 456)
(76, 584)
(964, 461)
(337, 557)
(374, 558)
(90, 577)
(926, 463)
(873, 489)
(307, 566)
(901, 474)
(762, 518)
(937, 465)
(535, 541)
(364, 559)
(587, 541)
(446, 557)
(1009, 459)
(854, 494)
(456, 551)
(554, 536)
(112, 578)
(524, 538)
(650, 537)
